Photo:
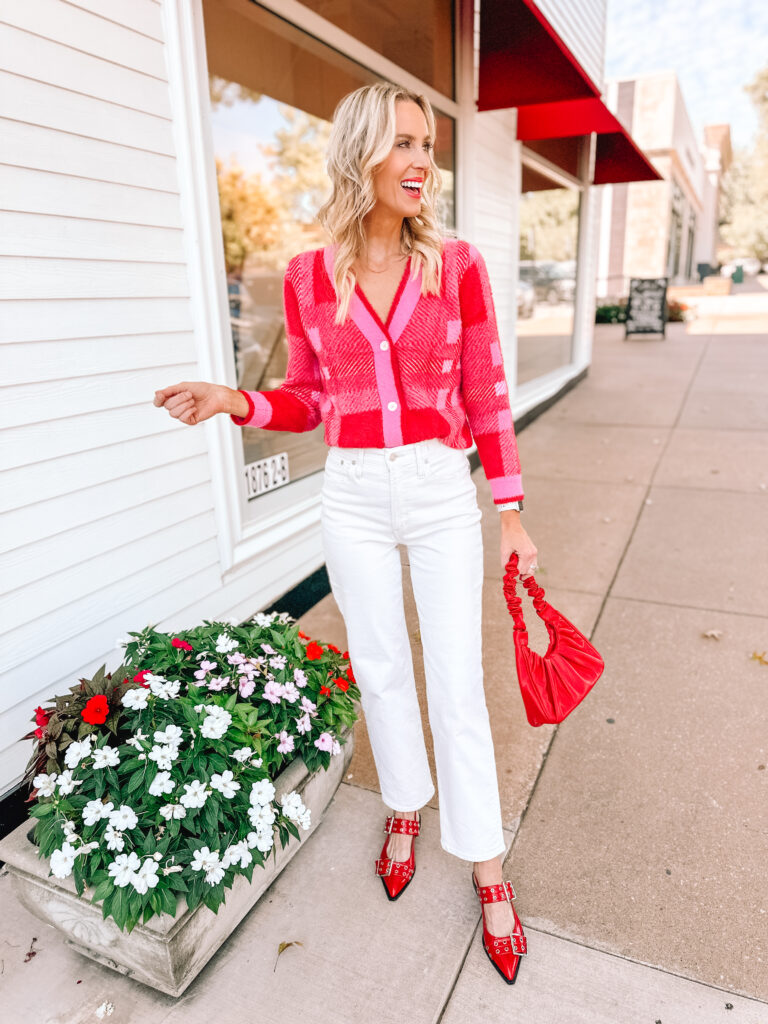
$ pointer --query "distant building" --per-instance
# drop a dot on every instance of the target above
(661, 228)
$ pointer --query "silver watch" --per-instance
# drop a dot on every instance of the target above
(511, 504)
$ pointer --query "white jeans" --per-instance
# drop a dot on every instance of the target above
(420, 495)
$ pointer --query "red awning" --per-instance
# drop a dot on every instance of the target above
(617, 158)
(525, 64)
(523, 60)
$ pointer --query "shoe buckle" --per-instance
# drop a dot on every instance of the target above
(389, 867)
(519, 944)
(389, 824)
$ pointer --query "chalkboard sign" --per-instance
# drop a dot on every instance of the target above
(647, 306)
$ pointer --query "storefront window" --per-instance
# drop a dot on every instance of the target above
(549, 232)
(273, 90)
(417, 37)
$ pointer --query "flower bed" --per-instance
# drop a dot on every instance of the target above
(165, 780)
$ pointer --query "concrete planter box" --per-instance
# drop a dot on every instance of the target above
(167, 952)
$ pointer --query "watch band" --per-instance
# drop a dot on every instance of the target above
(511, 504)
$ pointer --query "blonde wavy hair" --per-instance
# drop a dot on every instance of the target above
(362, 137)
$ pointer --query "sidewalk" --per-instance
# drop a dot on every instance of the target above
(638, 829)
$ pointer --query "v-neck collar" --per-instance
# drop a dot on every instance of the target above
(365, 316)
(385, 325)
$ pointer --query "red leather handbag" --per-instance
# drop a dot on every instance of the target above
(552, 684)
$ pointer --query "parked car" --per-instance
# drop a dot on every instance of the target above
(553, 281)
(526, 299)
(749, 264)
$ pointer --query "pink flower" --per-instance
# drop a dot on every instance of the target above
(285, 746)
(218, 683)
(273, 692)
(324, 741)
(307, 705)
(246, 687)
(303, 724)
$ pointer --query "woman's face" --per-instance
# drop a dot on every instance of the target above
(408, 163)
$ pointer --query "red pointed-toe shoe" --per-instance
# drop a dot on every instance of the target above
(396, 874)
(504, 951)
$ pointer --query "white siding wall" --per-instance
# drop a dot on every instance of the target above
(106, 501)
(581, 25)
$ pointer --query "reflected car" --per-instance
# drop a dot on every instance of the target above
(526, 299)
(749, 264)
(553, 281)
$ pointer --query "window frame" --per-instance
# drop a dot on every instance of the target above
(240, 537)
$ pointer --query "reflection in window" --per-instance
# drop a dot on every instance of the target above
(549, 230)
(273, 90)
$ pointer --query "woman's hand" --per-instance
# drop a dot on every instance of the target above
(192, 402)
(514, 538)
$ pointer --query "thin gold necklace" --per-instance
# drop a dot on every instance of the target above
(373, 270)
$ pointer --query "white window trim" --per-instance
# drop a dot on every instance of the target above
(239, 538)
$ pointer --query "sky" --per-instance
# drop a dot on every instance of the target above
(714, 47)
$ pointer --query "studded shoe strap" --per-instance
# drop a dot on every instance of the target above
(495, 893)
(402, 825)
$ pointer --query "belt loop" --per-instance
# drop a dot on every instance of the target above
(421, 455)
(358, 463)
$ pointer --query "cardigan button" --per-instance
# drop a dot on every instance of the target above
(384, 345)
(392, 406)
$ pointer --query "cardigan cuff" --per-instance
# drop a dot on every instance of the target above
(259, 410)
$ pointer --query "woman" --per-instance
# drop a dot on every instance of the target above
(393, 343)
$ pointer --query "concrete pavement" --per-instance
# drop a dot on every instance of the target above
(637, 829)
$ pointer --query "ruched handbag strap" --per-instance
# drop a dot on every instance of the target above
(514, 602)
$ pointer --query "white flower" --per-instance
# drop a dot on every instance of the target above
(261, 619)
(162, 687)
(63, 860)
(216, 723)
(123, 868)
(261, 817)
(262, 792)
(196, 794)
(225, 784)
(335, 748)
(290, 692)
(207, 861)
(95, 810)
(243, 754)
(170, 735)
(162, 783)
(164, 756)
(68, 828)
(237, 854)
(225, 643)
(106, 757)
(169, 811)
(45, 784)
(264, 841)
(75, 752)
(146, 877)
(136, 698)
(278, 661)
(304, 818)
(292, 804)
(66, 783)
(123, 818)
(113, 838)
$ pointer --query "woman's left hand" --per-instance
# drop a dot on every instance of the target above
(514, 538)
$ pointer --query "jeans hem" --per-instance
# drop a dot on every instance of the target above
(474, 857)
(403, 806)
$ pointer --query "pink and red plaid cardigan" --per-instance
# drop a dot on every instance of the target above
(434, 369)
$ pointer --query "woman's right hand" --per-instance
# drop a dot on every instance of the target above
(192, 402)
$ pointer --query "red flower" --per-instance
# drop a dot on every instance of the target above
(39, 733)
(343, 684)
(351, 674)
(345, 655)
(181, 644)
(325, 690)
(96, 710)
(334, 648)
(303, 636)
(41, 716)
(314, 651)
(139, 678)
